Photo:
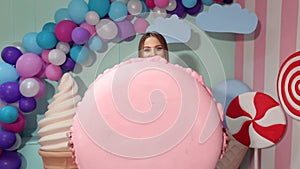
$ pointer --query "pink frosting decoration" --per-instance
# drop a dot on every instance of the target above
(145, 114)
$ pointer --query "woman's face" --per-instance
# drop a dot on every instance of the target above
(152, 47)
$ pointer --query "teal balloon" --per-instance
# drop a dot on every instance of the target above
(189, 3)
(8, 73)
(80, 54)
(30, 45)
(8, 114)
(100, 6)
(46, 40)
(207, 2)
(118, 11)
(62, 14)
(77, 10)
(49, 27)
(95, 43)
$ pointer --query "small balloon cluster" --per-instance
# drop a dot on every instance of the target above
(78, 30)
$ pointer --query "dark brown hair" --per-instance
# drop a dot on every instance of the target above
(159, 37)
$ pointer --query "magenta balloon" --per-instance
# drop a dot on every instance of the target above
(126, 29)
(28, 65)
(179, 10)
(16, 126)
(80, 35)
(63, 30)
(194, 10)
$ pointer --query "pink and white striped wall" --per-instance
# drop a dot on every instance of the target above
(258, 57)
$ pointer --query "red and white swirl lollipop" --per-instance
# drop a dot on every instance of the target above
(256, 120)
(288, 85)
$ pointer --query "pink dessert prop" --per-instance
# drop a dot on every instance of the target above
(145, 114)
(288, 85)
(256, 120)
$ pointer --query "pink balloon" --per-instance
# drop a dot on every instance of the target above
(88, 27)
(42, 88)
(16, 126)
(161, 3)
(41, 74)
(28, 65)
(150, 3)
(140, 25)
(63, 30)
(45, 54)
(53, 72)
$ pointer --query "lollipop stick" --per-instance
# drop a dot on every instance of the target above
(256, 158)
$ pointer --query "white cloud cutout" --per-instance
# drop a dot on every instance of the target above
(228, 18)
(175, 30)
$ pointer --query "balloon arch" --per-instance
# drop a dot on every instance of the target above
(79, 29)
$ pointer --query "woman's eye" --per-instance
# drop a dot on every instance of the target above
(146, 50)
(159, 48)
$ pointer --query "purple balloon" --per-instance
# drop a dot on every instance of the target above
(227, 1)
(68, 65)
(179, 10)
(9, 92)
(126, 29)
(194, 10)
(27, 104)
(7, 139)
(80, 35)
(11, 54)
(10, 160)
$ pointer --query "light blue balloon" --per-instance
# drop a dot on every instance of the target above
(227, 90)
(8, 114)
(30, 45)
(80, 54)
(118, 11)
(189, 3)
(95, 43)
(77, 10)
(99, 6)
(207, 2)
(8, 73)
(62, 14)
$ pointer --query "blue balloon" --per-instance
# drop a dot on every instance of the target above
(46, 40)
(189, 3)
(8, 73)
(77, 10)
(49, 27)
(62, 14)
(118, 11)
(30, 45)
(95, 43)
(80, 54)
(99, 6)
(227, 90)
(207, 2)
(8, 114)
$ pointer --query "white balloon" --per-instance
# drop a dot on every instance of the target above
(92, 18)
(172, 5)
(29, 87)
(107, 29)
(159, 12)
(64, 46)
(57, 57)
(135, 7)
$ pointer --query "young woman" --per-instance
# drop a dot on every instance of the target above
(153, 44)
